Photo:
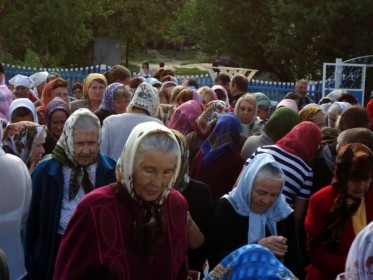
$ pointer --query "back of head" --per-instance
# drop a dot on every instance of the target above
(355, 116)
(146, 97)
(262, 100)
(356, 135)
(222, 79)
(117, 73)
(281, 122)
(241, 82)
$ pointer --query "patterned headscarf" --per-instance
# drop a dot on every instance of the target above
(64, 153)
(146, 97)
(309, 112)
(359, 263)
(22, 137)
(6, 98)
(281, 122)
(23, 102)
(107, 102)
(183, 176)
(125, 165)
(224, 137)
(184, 116)
(251, 261)
(56, 104)
(344, 206)
(88, 80)
(240, 199)
(302, 141)
(206, 121)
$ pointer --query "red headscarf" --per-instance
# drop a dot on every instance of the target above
(302, 141)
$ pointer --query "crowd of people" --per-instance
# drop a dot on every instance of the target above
(140, 177)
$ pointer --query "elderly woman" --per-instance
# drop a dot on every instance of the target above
(255, 212)
(338, 212)
(139, 222)
(246, 109)
(313, 113)
(59, 183)
(93, 90)
(25, 139)
(115, 101)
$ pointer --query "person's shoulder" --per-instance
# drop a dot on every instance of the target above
(324, 193)
(176, 198)
(107, 160)
(98, 197)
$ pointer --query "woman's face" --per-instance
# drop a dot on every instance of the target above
(120, 104)
(78, 93)
(85, 142)
(264, 193)
(153, 172)
(96, 91)
(246, 111)
(38, 149)
(57, 121)
(62, 93)
(358, 189)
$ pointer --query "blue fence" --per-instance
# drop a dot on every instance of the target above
(274, 90)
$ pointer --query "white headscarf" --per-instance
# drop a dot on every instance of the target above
(124, 169)
(21, 80)
(23, 102)
(146, 97)
(240, 199)
(39, 78)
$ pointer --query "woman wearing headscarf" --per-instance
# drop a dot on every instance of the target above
(280, 123)
(222, 94)
(216, 153)
(115, 101)
(15, 189)
(93, 90)
(335, 110)
(255, 212)
(246, 110)
(55, 88)
(184, 116)
(22, 109)
(313, 113)
(199, 201)
(25, 140)
(204, 125)
(59, 183)
(359, 265)
(139, 221)
(143, 107)
(338, 212)
(6, 98)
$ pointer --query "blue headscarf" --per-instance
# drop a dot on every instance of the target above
(107, 102)
(225, 136)
(240, 199)
(250, 262)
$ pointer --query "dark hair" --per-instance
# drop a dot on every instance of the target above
(220, 94)
(346, 97)
(223, 78)
(184, 95)
(161, 72)
(355, 116)
(2, 68)
(21, 112)
(161, 64)
(241, 82)
(117, 73)
(192, 82)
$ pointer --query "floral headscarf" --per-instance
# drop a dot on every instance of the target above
(146, 97)
(206, 121)
(302, 141)
(6, 98)
(240, 199)
(107, 102)
(23, 102)
(56, 104)
(64, 153)
(184, 116)
(125, 165)
(22, 137)
(359, 263)
(224, 137)
(309, 112)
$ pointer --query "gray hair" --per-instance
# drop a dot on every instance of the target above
(270, 171)
(85, 121)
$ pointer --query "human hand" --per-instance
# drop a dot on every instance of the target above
(277, 244)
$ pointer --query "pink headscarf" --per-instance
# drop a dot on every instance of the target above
(223, 90)
(290, 103)
(184, 116)
(303, 140)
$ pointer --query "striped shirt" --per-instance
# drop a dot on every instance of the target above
(298, 174)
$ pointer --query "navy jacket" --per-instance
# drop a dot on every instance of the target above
(41, 231)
